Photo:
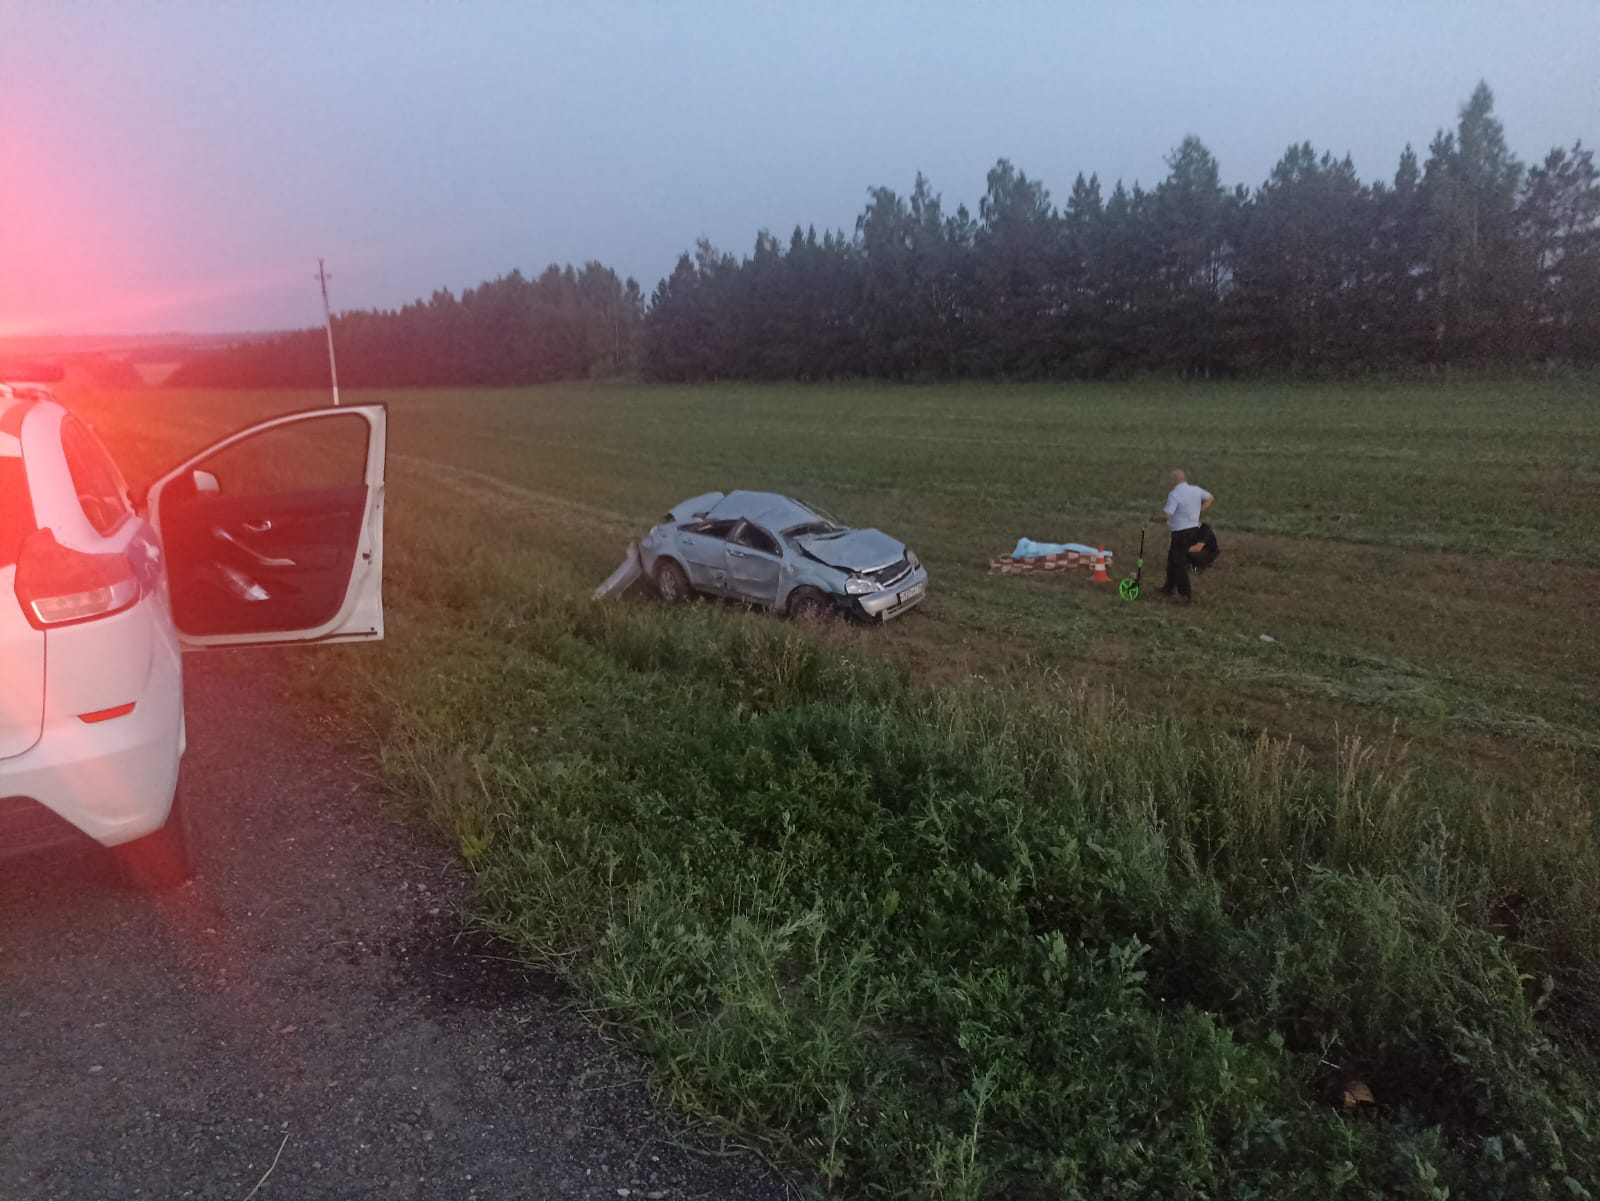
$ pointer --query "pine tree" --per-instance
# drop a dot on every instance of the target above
(1470, 183)
(1559, 224)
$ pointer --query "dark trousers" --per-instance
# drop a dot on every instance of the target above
(1178, 561)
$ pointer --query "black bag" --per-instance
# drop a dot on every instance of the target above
(1209, 550)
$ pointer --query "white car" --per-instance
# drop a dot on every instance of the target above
(273, 535)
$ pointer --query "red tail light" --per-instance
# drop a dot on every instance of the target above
(100, 715)
(58, 586)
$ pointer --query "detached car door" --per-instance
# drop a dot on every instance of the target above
(275, 534)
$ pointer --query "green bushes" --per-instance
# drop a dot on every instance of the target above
(1002, 942)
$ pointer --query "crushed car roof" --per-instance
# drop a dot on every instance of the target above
(767, 509)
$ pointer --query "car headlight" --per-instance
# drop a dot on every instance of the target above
(911, 558)
(859, 585)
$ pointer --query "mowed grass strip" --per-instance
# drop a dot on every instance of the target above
(924, 935)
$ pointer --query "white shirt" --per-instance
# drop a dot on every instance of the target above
(1183, 506)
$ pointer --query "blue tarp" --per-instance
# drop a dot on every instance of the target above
(1027, 548)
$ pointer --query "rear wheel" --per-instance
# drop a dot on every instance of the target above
(163, 859)
(671, 582)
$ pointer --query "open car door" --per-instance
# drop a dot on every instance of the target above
(275, 534)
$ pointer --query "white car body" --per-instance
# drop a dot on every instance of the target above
(91, 684)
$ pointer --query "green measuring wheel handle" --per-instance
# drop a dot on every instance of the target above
(1128, 589)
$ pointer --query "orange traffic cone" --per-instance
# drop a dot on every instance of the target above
(1100, 576)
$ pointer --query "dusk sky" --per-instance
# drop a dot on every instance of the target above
(180, 166)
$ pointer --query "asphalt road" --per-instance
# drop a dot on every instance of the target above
(306, 1006)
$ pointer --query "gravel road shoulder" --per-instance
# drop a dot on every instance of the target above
(310, 998)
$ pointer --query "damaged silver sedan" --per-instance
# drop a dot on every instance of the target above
(783, 554)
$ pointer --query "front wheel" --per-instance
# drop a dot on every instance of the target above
(164, 859)
(809, 604)
(671, 582)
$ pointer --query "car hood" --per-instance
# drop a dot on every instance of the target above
(854, 550)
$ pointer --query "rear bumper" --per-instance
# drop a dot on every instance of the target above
(113, 781)
(624, 577)
(907, 595)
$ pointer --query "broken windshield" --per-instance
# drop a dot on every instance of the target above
(820, 512)
(827, 525)
(816, 529)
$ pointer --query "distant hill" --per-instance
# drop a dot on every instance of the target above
(112, 360)
(131, 347)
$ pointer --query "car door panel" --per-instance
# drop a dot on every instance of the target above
(269, 563)
(704, 556)
(299, 565)
(752, 570)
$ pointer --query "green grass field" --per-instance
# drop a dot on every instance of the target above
(1420, 553)
(1034, 892)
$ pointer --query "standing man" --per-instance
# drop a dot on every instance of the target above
(1182, 512)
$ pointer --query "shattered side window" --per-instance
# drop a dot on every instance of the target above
(757, 540)
(712, 529)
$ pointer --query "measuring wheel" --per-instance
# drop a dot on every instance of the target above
(1129, 588)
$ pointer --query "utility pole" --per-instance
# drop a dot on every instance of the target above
(327, 316)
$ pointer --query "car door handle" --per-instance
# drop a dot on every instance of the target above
(737, 554)
(255, 556)
(256, 527)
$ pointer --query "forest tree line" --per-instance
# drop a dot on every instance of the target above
(566, 324)
(1464, 257)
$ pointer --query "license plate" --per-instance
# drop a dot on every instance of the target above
(912, 594)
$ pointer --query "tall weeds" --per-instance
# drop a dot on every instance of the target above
(999, 941)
